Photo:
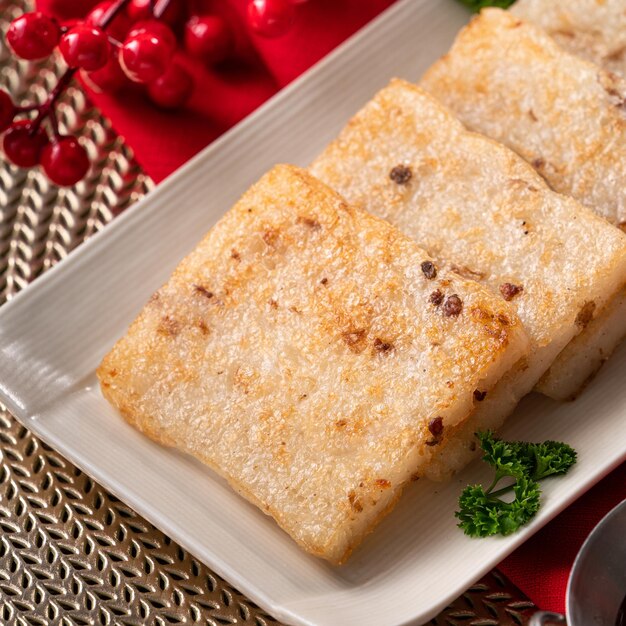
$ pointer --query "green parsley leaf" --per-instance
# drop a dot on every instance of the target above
(501, 455)
(477, 5)
(545, 459)
(482, 512)
(482, 515)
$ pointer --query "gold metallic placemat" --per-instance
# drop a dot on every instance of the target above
(70, 552)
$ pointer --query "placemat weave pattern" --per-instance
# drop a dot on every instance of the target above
(70, 552)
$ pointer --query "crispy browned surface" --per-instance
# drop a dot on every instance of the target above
(566, 116)
(295, 351)
(593, 29)
(477, 206)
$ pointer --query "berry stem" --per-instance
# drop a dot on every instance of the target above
(114, 42)
(47, 108)
(158, 11)
(112, 13)
(54, 124)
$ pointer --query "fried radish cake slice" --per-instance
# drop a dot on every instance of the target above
(588, 28)
(298, 352)
(479, 208)
(595, 31)
(586, 353)
(566, 116)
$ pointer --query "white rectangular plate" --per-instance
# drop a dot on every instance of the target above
(54, 334)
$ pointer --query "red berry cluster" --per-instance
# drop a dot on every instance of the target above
(118, 42)
(26, 143)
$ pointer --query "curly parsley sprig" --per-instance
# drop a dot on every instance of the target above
(483, 512)
(477, 5)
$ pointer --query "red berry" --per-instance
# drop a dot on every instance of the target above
(139, 10)
(109, 78)
(209, 38)
(68, 9)
(33, 35)
(22, 146)
(145, 56)
(172, 89)
(7, 110)
(85, 46)
(154, 27)
(117, 28)
(270, 18)
(65, 161)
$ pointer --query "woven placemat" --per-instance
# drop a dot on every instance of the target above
(70, 552)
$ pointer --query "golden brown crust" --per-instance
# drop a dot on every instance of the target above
(591, 29)
(296, 352)
(509, 80)
(482, 211)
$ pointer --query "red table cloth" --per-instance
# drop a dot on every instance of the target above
(163, 141)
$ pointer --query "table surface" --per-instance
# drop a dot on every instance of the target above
(70, 552)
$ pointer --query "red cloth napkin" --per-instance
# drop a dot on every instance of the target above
(164, 141)
(542, 565)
